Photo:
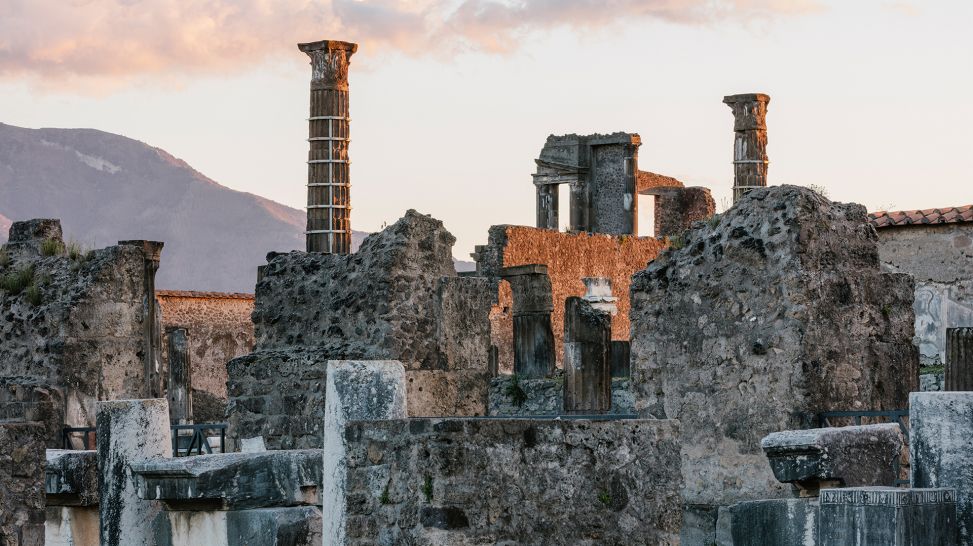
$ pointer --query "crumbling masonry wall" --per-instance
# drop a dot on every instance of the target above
(397, 298)
(766, 316)
(506, 481)
(569, 258)
(73, 321)
(22, 504)
(219, 330)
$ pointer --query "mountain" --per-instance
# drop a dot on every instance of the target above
(106, 188)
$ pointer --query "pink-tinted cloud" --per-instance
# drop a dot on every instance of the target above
(112, 40)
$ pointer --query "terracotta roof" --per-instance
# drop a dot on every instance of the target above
(949, 215)
(203, 295)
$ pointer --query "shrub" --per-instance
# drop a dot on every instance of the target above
(4, 257)
(18, 281)
(52, 247)
(34, 295)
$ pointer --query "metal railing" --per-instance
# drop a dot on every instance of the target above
(183, 444)
(899, 417)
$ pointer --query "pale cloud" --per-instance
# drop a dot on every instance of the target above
(112, 41)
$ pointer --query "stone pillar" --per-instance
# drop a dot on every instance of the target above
(180, 377)
(328, 181)
(580, 206)
(355, 390)
(22, 503)
(152, 251)
(750, 141)
(612, 181)
(532, 306)
(941, 449)
(128, 431)
(587, 360)
(547, 206)
(959, 359)
(887, 516)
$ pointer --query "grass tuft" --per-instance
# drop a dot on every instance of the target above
(52, 247)
(17, 281)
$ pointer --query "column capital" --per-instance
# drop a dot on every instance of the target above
(329, 63)
(749, 110)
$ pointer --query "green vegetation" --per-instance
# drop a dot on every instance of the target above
(4, 257)
(713, 221)
(52, 247)
(427, 488)
(16, 282)
(516, 392)
(76, 251)
(605, 498)
(931, 369)
(385, 499)
(33, 294)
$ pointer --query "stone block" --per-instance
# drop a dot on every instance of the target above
(71, 477)
(838, 456)
(941, 449)
(513, 481)
(232, 481)
(356, 390)
(128, 431)
(772, 522)
(587, 360)
(887, 516)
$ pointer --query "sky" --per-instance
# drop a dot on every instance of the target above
(451, 100)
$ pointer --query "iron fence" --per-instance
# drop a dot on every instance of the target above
(195, 442)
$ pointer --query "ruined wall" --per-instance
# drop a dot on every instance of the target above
(516, 481)
(72, 320)
(21, 484)
(940, 257)
(397, 298)
(569, 258)
(775, 312)
(219, 330)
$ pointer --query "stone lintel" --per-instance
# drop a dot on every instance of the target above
(233, 481)
(528, 269)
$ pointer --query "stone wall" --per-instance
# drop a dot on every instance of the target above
(397, 298)
(21, 484)
(513, 396)
(219, 329)
(940, 257)
(510, 481)
(73, 319)
(773, 312)
(569, 258)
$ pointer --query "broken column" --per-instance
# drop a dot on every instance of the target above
(328, 180)
(547, 205)
(959, 359)
(811, 459)
(749, 142)
(180, 377)
(532, 306)
(355, 390)
(887, 516)
(152, 252)
(128, 431)
(587, 358)
(941, 449)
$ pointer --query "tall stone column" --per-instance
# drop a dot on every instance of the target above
(587, 358)
(128, 430)
(359, 390)
(959, 359)
(547, 206)
(328, 180)
(750, 141)
(152, 251)
(180, 377)
(530, 287)
(941, 449)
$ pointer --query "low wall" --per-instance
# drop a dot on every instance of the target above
(527, 481)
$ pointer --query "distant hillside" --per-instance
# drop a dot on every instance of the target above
(107, 188)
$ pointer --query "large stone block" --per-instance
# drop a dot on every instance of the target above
(888, 516)
(941, 449)
(838, 456)
(128, 431)
(71, 477)
(773, 522)
(232, 481)
(733, 333)
(513, 481)
(357, 390)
